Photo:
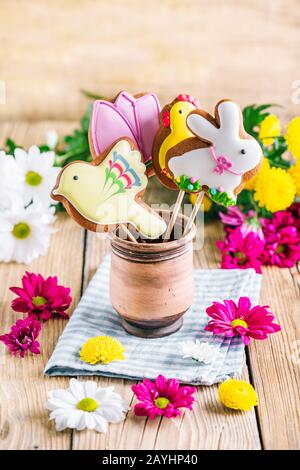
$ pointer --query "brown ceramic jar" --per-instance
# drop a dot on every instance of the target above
(151, 284)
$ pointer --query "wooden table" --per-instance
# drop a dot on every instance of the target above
(272, 366)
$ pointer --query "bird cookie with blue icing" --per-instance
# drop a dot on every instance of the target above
(218, 159)
(108, 191)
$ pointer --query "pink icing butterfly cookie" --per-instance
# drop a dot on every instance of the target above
(135, 117)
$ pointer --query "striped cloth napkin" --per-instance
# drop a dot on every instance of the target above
(147, 358)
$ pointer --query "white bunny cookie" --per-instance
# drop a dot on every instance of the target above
(220, 159)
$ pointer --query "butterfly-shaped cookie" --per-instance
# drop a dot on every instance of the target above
(134, 117)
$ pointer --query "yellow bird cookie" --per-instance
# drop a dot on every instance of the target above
(173, 128)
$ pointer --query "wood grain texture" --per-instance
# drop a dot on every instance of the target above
(247, 51)
(274, 363)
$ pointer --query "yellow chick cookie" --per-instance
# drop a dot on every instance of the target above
(176, 120)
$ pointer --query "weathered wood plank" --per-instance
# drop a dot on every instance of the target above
(276, 363)
(23, 388)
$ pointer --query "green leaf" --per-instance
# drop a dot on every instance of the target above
(91, 95)
(85, 120)
(275, 153)
(265, 213)
(76, 144)
(59, 207)
(253, 115)
(10, 146)
(44, 148)
(245, 201)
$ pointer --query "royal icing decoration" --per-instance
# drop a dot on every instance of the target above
(134, 117)
(226, 158)
(108, 191)
(175, 119)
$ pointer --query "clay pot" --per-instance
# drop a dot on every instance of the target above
(151, 284)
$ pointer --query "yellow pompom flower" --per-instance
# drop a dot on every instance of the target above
(250, 184)
(207, 203)
(238, 395)
(292, 137)
(268, 129)
(275, 190)
(294, 171)
(102, 349)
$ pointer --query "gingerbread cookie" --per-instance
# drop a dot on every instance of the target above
(219, 159)
(172, 130)
(135, 117)
(108, 191)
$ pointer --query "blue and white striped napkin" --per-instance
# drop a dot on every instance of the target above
(147, 358)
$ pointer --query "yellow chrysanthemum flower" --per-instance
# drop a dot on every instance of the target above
(275, 190)
(268, 129)
(292, 137)
(294, 171)
(207, 203)
(102, 349)
(250, 184)
(238, 395)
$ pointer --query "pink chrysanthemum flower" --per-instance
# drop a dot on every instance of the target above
(162, 397)
(233, 216)
(239, 252)
(294, 210)
(282, 248)
(22, 337)
(230, 320)
(41, 298)
(282, 240)
(248, 222)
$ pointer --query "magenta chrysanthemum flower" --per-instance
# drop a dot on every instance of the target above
(230, 320)
(241, 252)
(248, 222)
(233, 216)
(41, 298)
(22, 337)
(282, 240)
(294, 210)
(282, 248)
(162, 397)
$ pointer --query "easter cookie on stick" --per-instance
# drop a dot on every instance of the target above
(221, 158)
(135, 117)
(217, 160)
(172, 130)
(108, 191)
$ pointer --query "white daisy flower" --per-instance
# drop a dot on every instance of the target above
(84, 405)
(37, 173)
(51, 139)
(10, 180)
(201, 352)
(25, 232)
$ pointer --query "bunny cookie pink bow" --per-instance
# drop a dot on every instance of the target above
(220, 158)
